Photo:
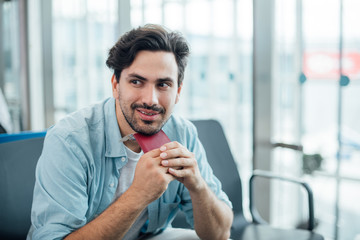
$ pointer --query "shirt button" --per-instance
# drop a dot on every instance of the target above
(111, 184)
(123, 159)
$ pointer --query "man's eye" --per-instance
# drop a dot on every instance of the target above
(164, 85)
(135, 82)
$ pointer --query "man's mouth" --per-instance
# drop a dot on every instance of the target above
(148, 113)
(148, 110)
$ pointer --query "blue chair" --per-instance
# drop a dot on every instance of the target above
(18, 157)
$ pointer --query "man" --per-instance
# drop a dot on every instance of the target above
(89, 185)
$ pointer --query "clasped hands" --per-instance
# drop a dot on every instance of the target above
(157, 168)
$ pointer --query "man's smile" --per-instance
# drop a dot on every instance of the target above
(147, 115)
(147, 112)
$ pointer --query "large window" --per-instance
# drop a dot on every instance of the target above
(218, 78)
(318, 110)
(10, 83)
(83, 32)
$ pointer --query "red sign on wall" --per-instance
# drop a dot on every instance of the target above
(322, 64)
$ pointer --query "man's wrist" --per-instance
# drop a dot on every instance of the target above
(200, 187)
(133, 198)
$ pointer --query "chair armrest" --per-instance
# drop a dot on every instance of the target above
(265, 174)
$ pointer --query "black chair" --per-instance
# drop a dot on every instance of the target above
(221, 160)
(18, 157)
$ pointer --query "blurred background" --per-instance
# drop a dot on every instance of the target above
(282, 76)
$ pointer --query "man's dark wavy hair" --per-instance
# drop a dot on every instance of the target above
(152, 38)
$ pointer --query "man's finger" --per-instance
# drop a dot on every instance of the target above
(180, 152)
(153, 153)
(180, 173)
(170, 145)
(178, 162)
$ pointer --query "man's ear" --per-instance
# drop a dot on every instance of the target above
(114, 85)
(178, 93)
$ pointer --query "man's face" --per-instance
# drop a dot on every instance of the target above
(147, 92)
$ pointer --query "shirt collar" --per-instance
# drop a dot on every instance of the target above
(113, 146)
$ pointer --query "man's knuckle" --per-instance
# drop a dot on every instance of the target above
(182, 151)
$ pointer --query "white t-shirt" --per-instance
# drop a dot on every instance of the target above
(126, 178)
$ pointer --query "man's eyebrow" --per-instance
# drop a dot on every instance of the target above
(165, 79)
(134, 75)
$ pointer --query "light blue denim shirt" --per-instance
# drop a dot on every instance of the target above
(78, 171)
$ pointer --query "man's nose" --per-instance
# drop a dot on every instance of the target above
(150, 96)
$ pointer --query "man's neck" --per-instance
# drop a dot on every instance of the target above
(133, 146)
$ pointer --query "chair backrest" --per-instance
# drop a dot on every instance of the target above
(10, 137)
(211, 135)
(18, 160)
